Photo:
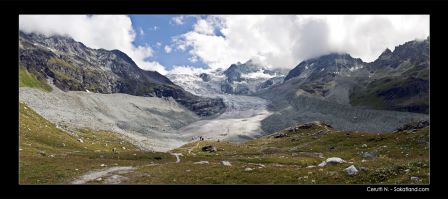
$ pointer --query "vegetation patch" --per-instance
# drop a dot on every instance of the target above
(27, 79)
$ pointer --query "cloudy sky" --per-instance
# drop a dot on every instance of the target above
(167, 42)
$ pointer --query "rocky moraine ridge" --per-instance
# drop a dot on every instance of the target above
(74, 67)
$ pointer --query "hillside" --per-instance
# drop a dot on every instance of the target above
(350, 94)
(71, 66)
(397, 80)
(290, 156)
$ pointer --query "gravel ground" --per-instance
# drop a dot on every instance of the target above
(149, 122)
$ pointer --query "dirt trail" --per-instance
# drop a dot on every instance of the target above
(108, 172)
(177, 156)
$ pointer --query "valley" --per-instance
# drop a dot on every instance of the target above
(248, 124)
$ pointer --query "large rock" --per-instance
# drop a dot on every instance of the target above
(209, 148)
(331, 161)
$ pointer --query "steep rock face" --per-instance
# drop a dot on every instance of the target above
(73, 66)
(249, 78)
(397, 80)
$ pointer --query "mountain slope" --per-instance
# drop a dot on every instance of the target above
(249, 78)
(289, 156)
(399, 80)
(340, 90)
(72, 66)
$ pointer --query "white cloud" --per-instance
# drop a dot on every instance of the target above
(193, 59)
(167, 49)
(96, 31)
(187, 70)
(285, 40)
(178, 20)
(142, 33)
(204, 27)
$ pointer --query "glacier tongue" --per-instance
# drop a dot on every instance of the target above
(241, 119)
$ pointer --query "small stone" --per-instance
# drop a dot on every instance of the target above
(364, 146)
(63, 144)
(80, 140)
(332, 173)
(363, 169)
(322, 164)
(351, 170)
(363, 160)
(124, 148)
(102, 165)
(201, 162)
(76, 169)
(226, 163)
(415, 179)
(188, 170)
(311, 166)
(248, 169)
(99, 179)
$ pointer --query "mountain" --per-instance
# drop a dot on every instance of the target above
(70, 65)
(350, 94)
(249, 78)
(239, 79)
(397, 80)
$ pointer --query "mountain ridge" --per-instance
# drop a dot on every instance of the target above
(73, 66)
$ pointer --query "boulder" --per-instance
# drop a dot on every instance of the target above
(351, 170)
(209, 148)
(331, 161)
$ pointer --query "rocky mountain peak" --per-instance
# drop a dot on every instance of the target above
(73, 66)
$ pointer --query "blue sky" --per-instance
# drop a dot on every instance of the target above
(217, 41)
(158, 31)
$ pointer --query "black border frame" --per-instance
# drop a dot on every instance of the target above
(10, 14)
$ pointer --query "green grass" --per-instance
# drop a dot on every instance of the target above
(49, 155)
(401, 155)
(27, 79)
(369, 96)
